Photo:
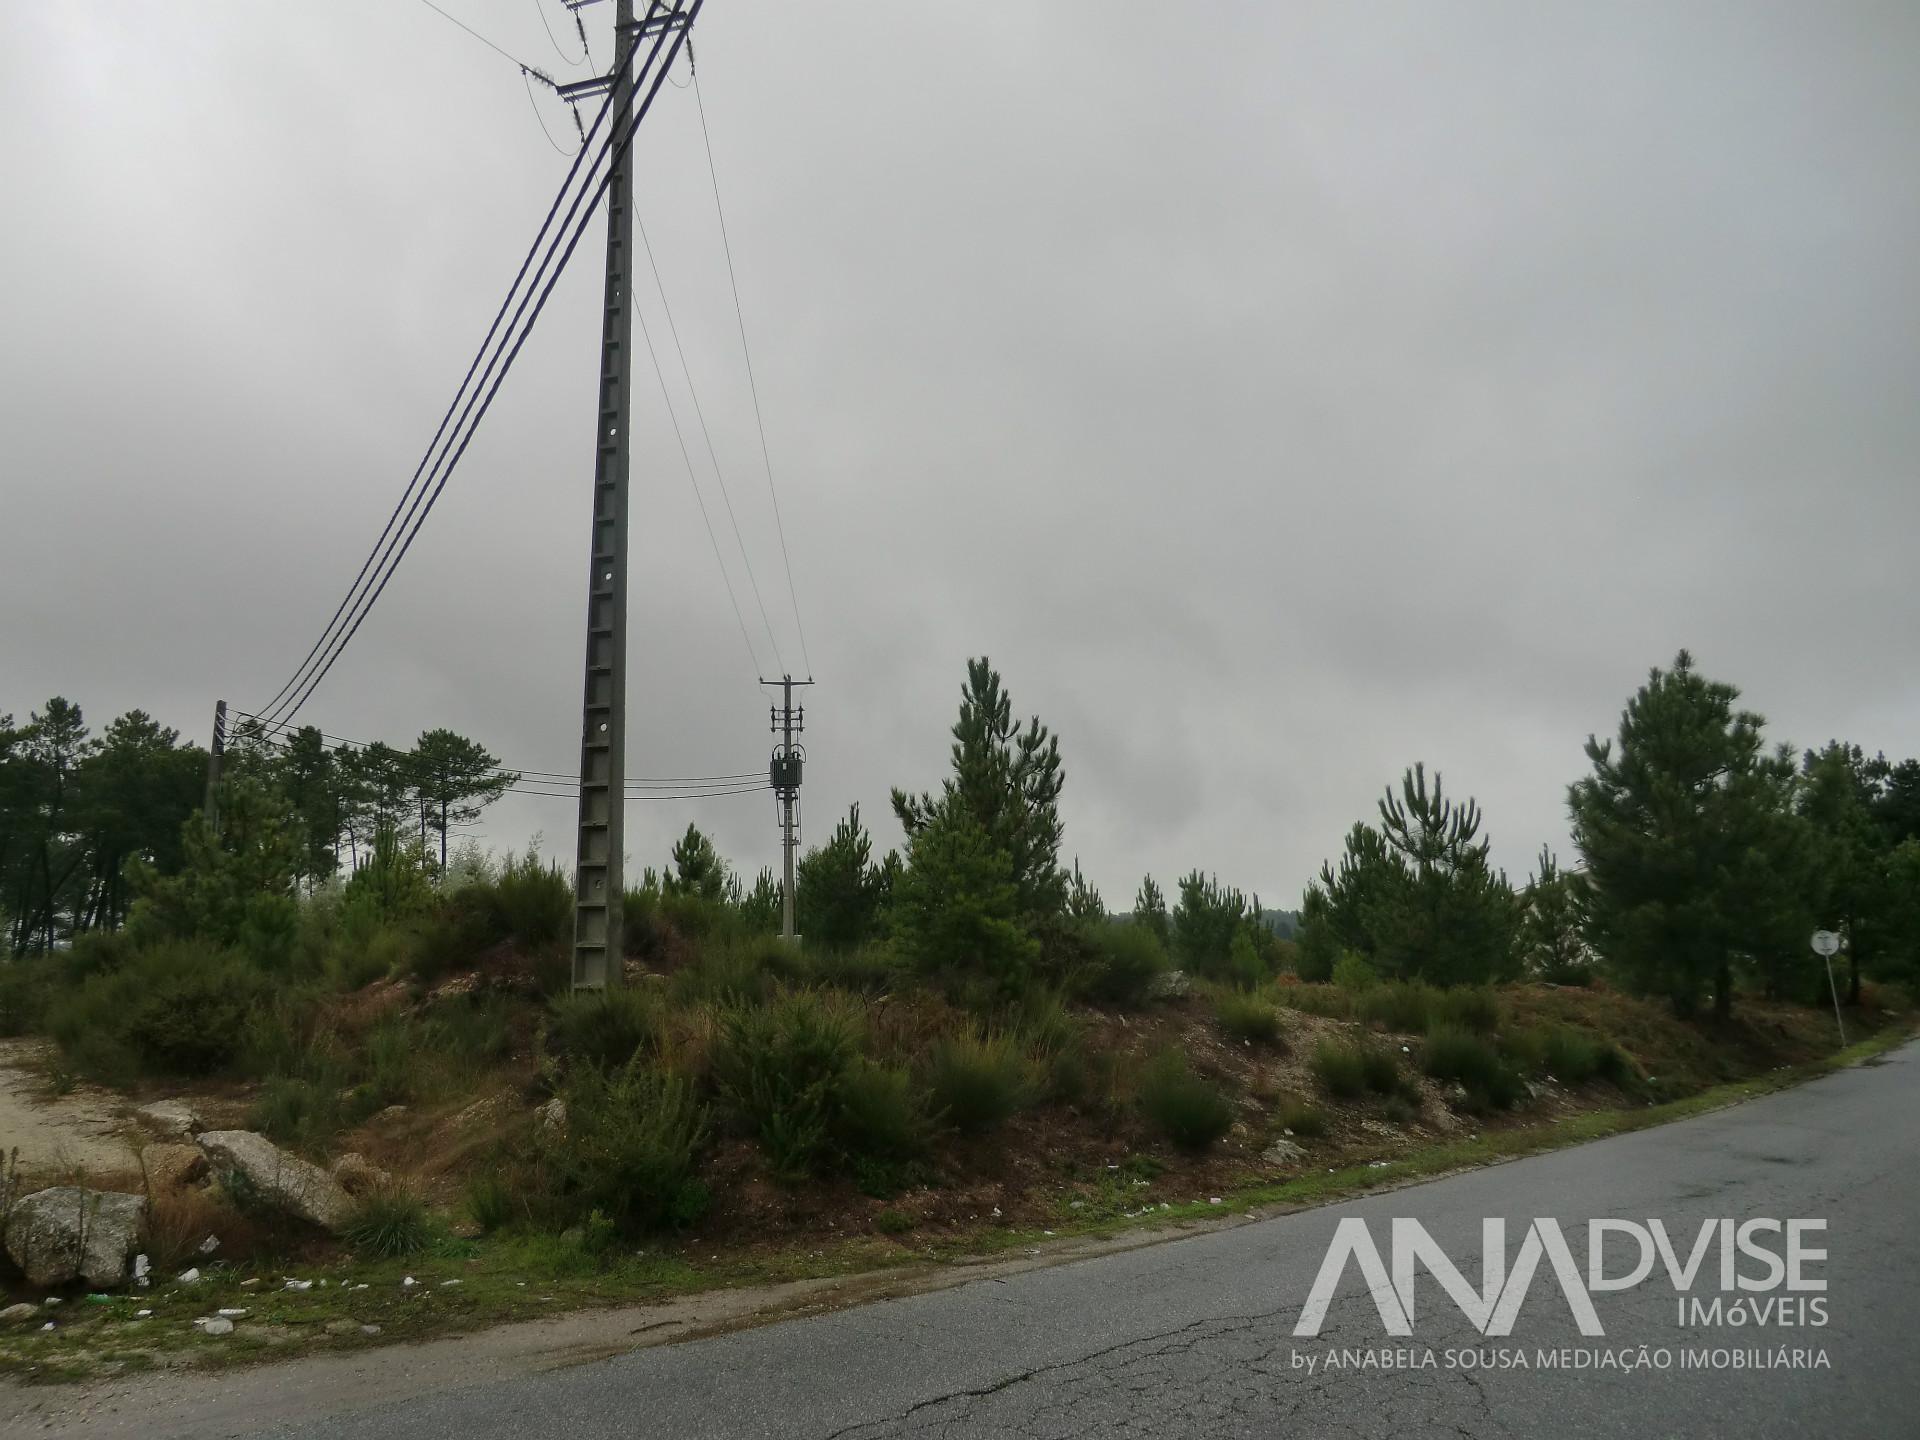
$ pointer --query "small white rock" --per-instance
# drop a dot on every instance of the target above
(141, 1314)
(445, 1283)
(47, 1326)
(209, 1245)
(188, 1277)
(408, 1283)
(215, 1325)
(299, 1284)
(232, 1313)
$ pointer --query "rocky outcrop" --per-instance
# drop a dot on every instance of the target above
(68, 1233)
(268, 1174)
(358, 1175)
(172, 1167)
(1283, 1152)
(169, 1117)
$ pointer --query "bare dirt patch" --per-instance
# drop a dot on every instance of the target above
(81, 1132)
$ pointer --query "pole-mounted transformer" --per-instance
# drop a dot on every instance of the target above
(783, 773)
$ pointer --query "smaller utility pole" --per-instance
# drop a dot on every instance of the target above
(784, 772)
(216, 753)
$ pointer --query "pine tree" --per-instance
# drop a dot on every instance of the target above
(1006, 780)
(698, 869)
(957, 908)
(1150, 911)
(760, 906)
(456, 779)
(1685, 831)
(1552, 946)
(1205, 922)
(837, 888)
(1447, 916)
(1084, 904)
(1415, 897)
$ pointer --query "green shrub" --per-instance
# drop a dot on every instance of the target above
(978, 1081)
(490, 1200)
(391, 1065)
(1189, 1111)
(95, 952)
(1127, 960)
(1044, 1025)
(1476, 1064)
(390, 1222)
(603, 1028)
(1301, 1117)
(533, 903)
(1352, 972)
(1469, 1007)
(629, 1149)
(1317, 999)
(1382, 1070)
(1349, 1070)
(1247, 1017)
(780, 1067)
(474, 1031)
(881, 1114)
(24, 992)
(1574, 1057)
(176, 1009)
(296, 1112)
(1247, 962)
(872, 969)
(739, 972)
(893, 1222)
(1340, 1068)
(1404, 1007)
(355, 959)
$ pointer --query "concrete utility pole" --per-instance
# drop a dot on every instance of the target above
(216, 756)
(599, 887)
(784, 772)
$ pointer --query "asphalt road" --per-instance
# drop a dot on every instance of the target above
(1194, 1338)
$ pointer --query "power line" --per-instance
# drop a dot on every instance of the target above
(667, 38)
(558, 148)
(279, 737)
(409, 500)
(712, 456)
(541, 10)
(478, 36)
(753, 386)
(740, 619)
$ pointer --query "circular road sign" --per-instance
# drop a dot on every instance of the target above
(1825, 942)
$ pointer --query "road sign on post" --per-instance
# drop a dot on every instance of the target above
(1826, 945)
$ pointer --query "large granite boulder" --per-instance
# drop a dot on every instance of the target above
(67, 1233)
(273, 1177)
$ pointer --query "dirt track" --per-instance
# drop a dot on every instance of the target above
(81, 1131)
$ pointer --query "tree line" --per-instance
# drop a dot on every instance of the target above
(87, 822)
(1706, 859)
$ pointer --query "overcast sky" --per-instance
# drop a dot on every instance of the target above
(1280, 393)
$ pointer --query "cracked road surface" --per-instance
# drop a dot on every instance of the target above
(1194, 1337)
